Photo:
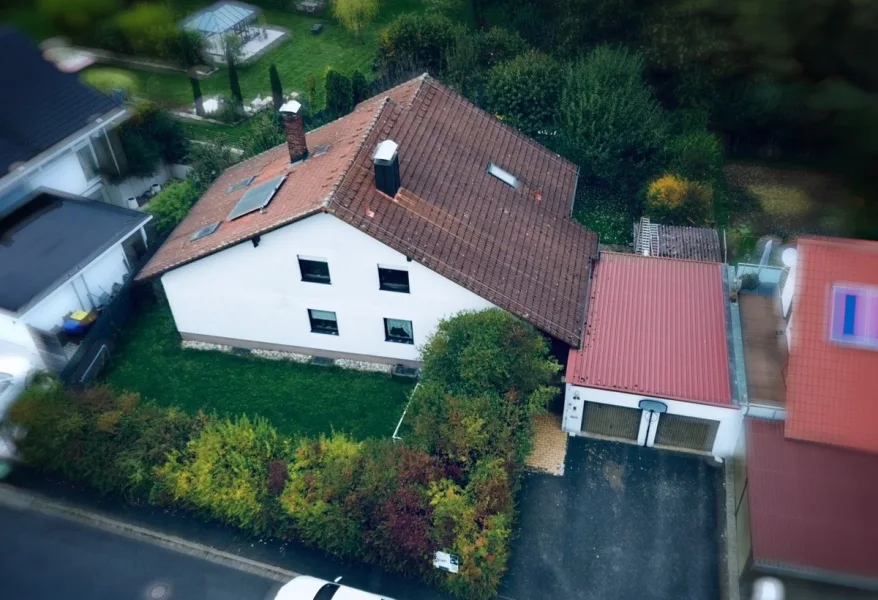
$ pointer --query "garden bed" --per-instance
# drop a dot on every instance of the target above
(296, 398)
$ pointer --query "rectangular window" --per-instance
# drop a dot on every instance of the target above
(399, 331)
(855, 315)
(314, 270)
(323, 321)
(88, 163)
(393, 280)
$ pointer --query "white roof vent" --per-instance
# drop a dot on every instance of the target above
(385, 151)
(504, 176)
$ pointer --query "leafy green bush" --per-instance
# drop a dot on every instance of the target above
(75, 17)
(208, 161)
(696, 155)
(266, 132)
(359, 85)
(107, 79)
(605, 211)
(416, 41)
(148, 29)
(223, 471)
(172, 204)
(339, 92)
(524, 91)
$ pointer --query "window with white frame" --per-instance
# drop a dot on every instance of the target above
(854, 318)
(393, 280)
(323, 321)
(399, 331)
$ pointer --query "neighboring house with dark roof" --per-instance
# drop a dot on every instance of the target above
(60, 254)
(805, 501)
(669, 241)
(356, 239)
(657, 364)
(57, 132)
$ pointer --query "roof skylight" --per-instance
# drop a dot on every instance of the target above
(204, 231)
(240, 184)
(256, 198)
(504, 176)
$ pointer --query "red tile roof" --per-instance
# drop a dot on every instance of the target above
(832, 395)
(656, 327)
(811, 506)
(517, 248)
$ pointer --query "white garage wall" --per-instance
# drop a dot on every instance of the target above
(256, 294)
(730, 419)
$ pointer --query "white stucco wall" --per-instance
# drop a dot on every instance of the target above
(63, 174)
(730, 419)
(257, 295)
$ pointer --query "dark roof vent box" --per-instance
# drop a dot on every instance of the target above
(386, 161)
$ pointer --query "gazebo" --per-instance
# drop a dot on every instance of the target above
(221, 19)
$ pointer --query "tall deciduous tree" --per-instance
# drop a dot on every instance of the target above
(355, 15)
(525, 91)
(277, 90)
(611, 124)
(416, 41)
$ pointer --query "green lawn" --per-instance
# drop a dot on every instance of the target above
(300, 55)
(296, 398)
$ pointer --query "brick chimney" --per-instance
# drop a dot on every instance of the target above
(294, 127)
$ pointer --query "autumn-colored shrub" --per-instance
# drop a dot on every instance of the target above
(223, 471)
(673, 200)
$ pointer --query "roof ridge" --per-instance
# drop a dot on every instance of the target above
(554, 156)
(654, 257)
(385, 102)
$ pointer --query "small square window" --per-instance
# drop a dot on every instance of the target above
(399, 331)
(854, 316)
(314, 271)
(393, 280)
(323, 321)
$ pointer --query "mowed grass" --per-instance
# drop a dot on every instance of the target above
(298, 399)
(303, 54)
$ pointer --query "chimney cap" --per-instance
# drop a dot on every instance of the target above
(385, 152)
(291, 107)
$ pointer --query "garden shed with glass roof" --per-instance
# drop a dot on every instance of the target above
(221, 19)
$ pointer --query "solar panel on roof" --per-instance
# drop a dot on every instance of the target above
(204, 231)
(256, 198)
(240, 184)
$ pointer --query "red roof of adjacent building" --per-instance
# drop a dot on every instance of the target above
(517, 247)
(656, 327)
(811, 506)
(832, 396)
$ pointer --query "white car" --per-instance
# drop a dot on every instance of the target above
(14, 374)
(311, 588)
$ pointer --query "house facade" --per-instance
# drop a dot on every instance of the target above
(354, 240)
(61, 254)
(60, 133)
(806, 476)
(321, 286)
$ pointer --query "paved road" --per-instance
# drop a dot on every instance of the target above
(44, 558)
(623, 523)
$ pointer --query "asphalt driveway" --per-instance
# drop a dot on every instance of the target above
(624, 522)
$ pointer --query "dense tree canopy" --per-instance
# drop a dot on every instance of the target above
(524, 91)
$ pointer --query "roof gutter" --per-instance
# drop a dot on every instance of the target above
(818, 575)
(115, 117)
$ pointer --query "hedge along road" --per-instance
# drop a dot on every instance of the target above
(275, 561)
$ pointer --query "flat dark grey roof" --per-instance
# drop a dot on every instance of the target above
(52, 237)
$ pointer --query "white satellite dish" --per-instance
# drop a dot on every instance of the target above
(789, 257)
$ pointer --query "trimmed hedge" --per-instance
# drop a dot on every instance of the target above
(389, 504)
(172, 204)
